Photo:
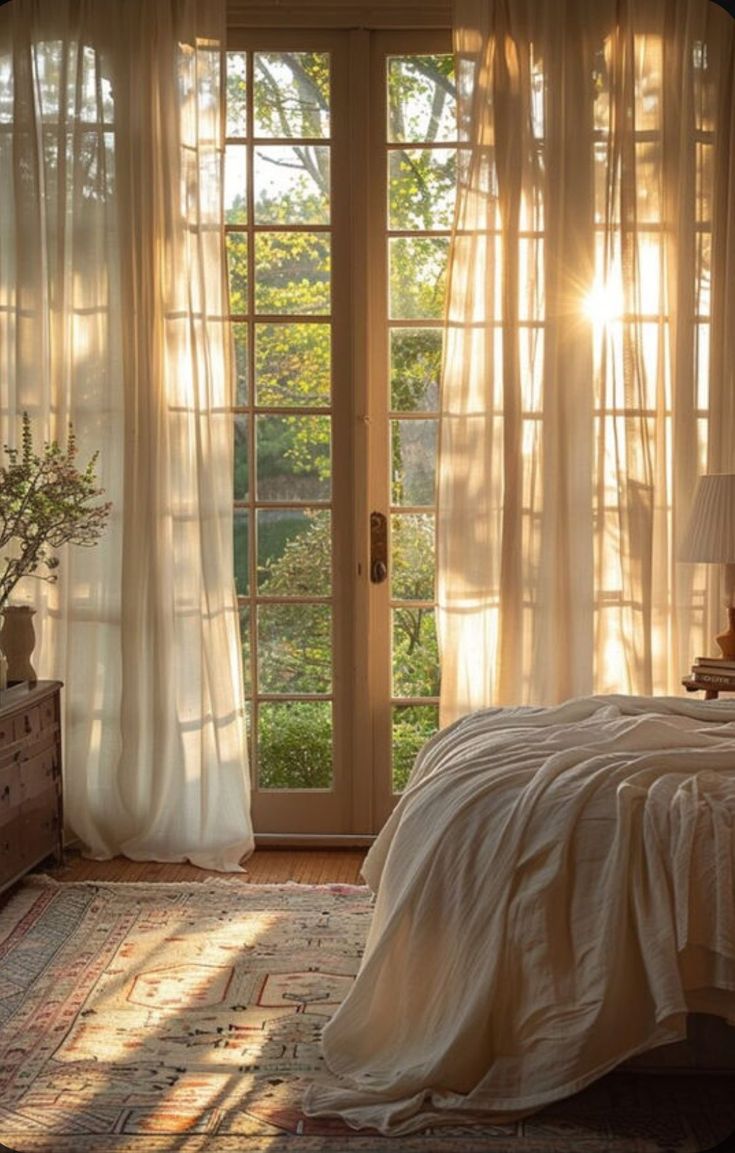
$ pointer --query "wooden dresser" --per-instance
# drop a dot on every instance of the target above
(31, 814)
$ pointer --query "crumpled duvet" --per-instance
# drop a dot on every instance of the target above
(555, 891)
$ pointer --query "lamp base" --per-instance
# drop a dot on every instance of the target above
(726, 640)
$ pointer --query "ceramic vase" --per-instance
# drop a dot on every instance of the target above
(17, 640)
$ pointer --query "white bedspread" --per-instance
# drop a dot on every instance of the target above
(554, 891)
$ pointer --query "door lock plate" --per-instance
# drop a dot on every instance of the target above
(378, 548)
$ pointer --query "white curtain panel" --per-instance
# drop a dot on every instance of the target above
(589, 369)
(112, 315)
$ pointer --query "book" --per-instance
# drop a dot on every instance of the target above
(714, 663)
(715, 680)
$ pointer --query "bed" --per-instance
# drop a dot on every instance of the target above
(554, 895)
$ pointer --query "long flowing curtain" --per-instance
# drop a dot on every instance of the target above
(112, 315)
(589, 368)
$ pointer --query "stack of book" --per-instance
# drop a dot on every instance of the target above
(720, 674)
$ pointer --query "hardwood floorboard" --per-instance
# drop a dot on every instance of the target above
(265, 867)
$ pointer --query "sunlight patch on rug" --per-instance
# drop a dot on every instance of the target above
(152, 1018)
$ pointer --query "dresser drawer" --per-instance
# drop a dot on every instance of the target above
(27, 725)
(38, 773)
(10, 840)
(10, 791)
(31, 835)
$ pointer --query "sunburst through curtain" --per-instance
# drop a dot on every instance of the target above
(588, 374)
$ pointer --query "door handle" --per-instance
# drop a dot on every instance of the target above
(378, 548)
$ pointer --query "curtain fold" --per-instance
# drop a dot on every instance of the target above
(113, 315)
(588, 371)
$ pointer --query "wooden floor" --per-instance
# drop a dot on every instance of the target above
(265, 867)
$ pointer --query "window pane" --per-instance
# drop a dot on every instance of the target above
(237, 269)
(421, 188)
(292, 184)
(704, 273)
(293, 457)
(240, 342)
(236, 183)
(292, 273)
(294, 648)
(241, 533)
(245, 646)
(292, 364)
(237, 63)
(415, 368)
(412, 548)
(704, 153)
(7, 90)
(415, 654)
(413, 461)
(417, 277)
(241, 486)
(412, 727)
(294, 552)
(648, 171)
(295, 745)
(421, 98)
(291, 94)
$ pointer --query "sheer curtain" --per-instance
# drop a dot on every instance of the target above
(112, 315)
(589, 363)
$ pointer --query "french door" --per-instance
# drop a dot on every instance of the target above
(340, 169)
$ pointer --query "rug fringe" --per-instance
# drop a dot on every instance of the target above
(43, 880)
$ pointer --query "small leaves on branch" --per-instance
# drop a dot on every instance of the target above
(45, 502)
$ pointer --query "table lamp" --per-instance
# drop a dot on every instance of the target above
(710, 538)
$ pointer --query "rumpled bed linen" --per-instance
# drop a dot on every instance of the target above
(555, 890)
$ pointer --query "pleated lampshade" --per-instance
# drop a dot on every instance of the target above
(710, 535)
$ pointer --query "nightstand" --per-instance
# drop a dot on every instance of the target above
(709, 686)
(31, 806)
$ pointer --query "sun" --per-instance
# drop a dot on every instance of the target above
(603, 304)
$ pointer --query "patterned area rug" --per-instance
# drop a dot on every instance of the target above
(154, 1018)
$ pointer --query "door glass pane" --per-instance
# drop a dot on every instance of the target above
(293, 364)
(412, 556)
(415, 654)
(415, 369)
(412, 727)
(245, 645)
(291, 95)
(413, 461)
(294, 648)
(241, 477)
(417, 277)
(240, 343)
(295, 745)
(422, 98)
(292, 184)
(237, 120)
(421, 187)
(294, 552)
(241, 535)
(292, 273)
(293, 455)
(236, 176)
(237, 271)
